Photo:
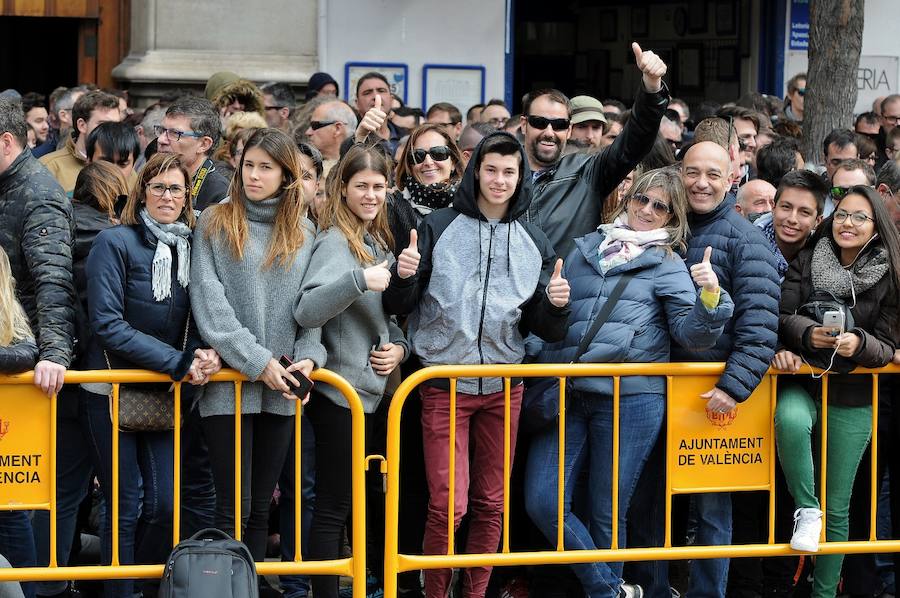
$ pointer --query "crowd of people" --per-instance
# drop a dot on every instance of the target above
(242, 229)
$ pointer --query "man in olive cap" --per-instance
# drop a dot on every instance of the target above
(588, 122)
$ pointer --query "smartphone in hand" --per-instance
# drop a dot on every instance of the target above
(306, 384)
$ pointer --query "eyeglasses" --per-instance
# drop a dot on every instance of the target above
(838, 193)
(438, 153)
(274, 107)
(541, 122)
(659, 207)
(175, 134)
(315, 125)
(497, 122)
(802, 92)
(891, 119)
(857, 218)
(159, 189)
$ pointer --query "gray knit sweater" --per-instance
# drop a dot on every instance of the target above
(352, 320)
(246, 313)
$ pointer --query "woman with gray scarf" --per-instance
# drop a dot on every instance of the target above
(854, 257)
(138, 276)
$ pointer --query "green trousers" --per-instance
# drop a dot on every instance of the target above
(849, 430)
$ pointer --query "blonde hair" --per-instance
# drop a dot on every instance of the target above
(239, 121)
(229, 220)
(668, 180)
(336, 213)
(13, 321)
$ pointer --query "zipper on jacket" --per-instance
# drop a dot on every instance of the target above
(487, 279)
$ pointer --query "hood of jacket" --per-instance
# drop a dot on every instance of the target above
(244, 91)
(466, 199)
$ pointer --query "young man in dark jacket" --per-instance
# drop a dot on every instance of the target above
(36, 231)
(476, 280)
(569, 192)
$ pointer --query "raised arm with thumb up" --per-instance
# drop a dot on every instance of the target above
(703, 274)
(378, 277)
(408, 261)
(652, 67)
(372, 121)
(558, 287)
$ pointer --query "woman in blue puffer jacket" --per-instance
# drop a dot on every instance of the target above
(139, 311)
(659, 303)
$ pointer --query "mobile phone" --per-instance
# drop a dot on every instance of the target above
(305, 383)
(833, 319)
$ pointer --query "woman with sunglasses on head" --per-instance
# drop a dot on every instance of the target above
(250, 255)
(853, 260)
(139, 310)
(342, 294)
(658, 304)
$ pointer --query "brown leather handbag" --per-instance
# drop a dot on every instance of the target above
(145, 407)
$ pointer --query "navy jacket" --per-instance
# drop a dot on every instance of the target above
(136, 330)
(659, 303)
(747, 269)
(480, 287)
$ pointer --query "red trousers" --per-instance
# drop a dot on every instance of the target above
(478, 485)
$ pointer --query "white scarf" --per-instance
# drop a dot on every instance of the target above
(167, 235)
(622, 243)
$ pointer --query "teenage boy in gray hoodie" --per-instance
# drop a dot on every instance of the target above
(476, 279)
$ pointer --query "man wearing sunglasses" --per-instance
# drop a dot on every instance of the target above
(191, 130)
(847, 174)
(793, 103)
(332, 122)
(568, 194)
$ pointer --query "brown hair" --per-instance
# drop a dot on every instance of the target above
(157, 164)
(336, 213)
(99, 185)
(229, 220)
(404, 164)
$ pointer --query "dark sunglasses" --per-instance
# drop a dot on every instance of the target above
(839, 192)
(802, 92)
(540, 123)
(658, 206)
(315, 125)
(438, 153)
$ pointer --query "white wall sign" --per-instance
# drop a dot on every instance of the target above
(462, 86)
(876, 76)
(397, 75)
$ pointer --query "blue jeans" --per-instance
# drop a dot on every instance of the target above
(589, 423)
(709, 577)
(73, 475)
(297, 586)
(17, 543)
(145, 465)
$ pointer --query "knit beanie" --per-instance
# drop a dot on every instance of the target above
(317, 82)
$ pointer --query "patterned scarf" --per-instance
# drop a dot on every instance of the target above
(623, 244)
(845, 282)
(427, 198)
(176, 234)
(767, 224)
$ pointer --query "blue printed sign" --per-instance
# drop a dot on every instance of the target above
(799, 34)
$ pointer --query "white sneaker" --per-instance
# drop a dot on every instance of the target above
(631, 590)
(807, 529)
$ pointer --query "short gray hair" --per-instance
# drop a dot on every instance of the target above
(12, 120)
(152, 118)
(889, 175)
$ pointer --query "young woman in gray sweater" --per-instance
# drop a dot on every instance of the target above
(250, 255)
(342, 295)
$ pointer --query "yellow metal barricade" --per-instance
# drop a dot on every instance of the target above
(705, 452)
(28, 474)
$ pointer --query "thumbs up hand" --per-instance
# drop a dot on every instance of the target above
(378, 277)
(651, 65)
(372, 121)
(703, 274)
(558, 287)
(408, 262)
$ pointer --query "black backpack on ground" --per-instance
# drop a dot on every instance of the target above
(211, 564)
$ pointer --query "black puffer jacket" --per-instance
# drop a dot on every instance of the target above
(36, 231)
